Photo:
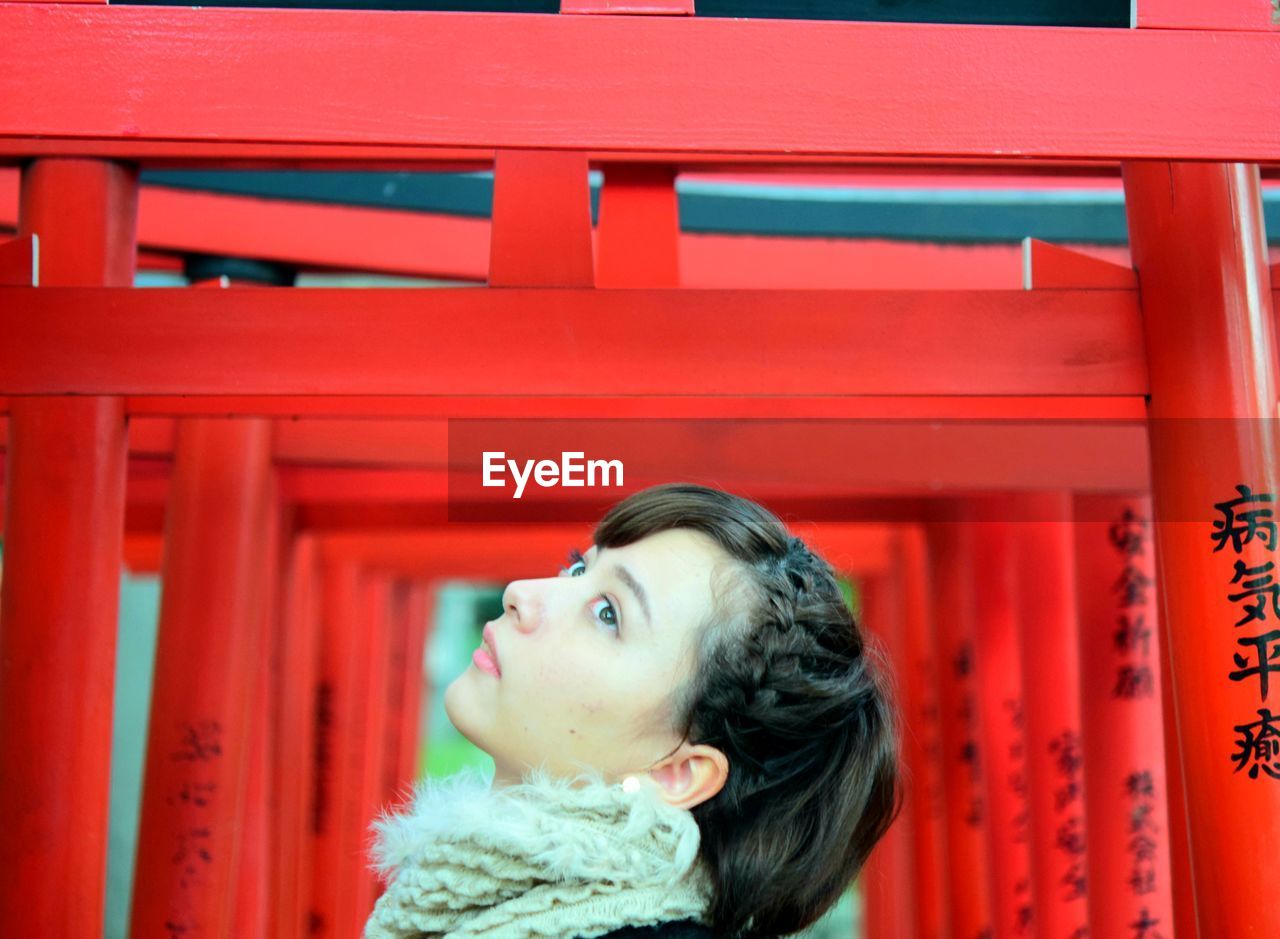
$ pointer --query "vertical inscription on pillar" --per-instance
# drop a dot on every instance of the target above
(195, 787)
(1068, 803)
(963, 665)
(1246, 529)
(1135, 678)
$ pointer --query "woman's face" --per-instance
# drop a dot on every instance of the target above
(589, 660)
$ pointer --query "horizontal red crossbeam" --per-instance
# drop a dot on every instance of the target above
(317, 81)
(475, 341)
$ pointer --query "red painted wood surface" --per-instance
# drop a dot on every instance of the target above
(1198, 243)
(368, 754)
(194, 793)
(541, 221)
(1044, 555)
(998, 407)
(639, 238)
(268, 341)
(1126, 793)
(337, 776)
(1259, 15)
(326, 77)
(951, 572)
(888, 882)
(63, 525)
(62, 539)
(629, 7)
(420, 615)
(297, 650)
(923, 751)
(998, 662)
(20, 261)
(1047, 265)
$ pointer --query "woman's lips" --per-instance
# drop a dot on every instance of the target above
(486, 657)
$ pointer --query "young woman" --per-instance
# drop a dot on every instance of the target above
(690, 736)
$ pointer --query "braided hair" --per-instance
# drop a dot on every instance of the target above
(786, 686)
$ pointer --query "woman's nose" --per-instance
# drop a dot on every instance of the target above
(525, 602)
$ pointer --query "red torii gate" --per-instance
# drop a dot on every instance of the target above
(79, 354)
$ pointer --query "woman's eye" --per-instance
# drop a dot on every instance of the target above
(607, 615)
(576, 568)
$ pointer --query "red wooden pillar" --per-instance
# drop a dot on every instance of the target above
(951, 563)
(998, 660)
(639, 234)
(1199, 248)
(193, 808)
(421, 615)
(888, 882)
(260, 850)
(335, 872)
(370, 750)
(1125, 792)
(922, 741)
(404, 685)
(1044, 553)
(297, 657)
(64, 527)
(351, 712)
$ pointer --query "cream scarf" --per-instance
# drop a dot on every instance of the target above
(549, 857)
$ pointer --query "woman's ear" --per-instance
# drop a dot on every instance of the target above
(691, 775)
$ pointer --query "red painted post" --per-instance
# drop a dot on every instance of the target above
(63, 539)
(421, 619)
(923, 745)
(888, 884)
(1044, 552)
(1199, 247)
(998, 660)
(370, 750)
(639, 234)
(352, 707)
(193, 806)
(541, 234)
(951, 564)
(335, 872)
(297, 652)
(259, 850)
(1183, 887)
(1126, 797)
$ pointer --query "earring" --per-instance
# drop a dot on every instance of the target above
(630, 784)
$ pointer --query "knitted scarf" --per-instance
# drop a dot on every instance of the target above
(548, 857)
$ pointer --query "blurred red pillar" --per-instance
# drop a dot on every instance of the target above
(335, 871)
(1044, 552)
(371, 722)
(1199, 247)
(1125, 792)
(951, 563)
(409, 638)
(887, 881)
(63, 538)
(922, 741)
(206, 676)
(998, 661)
(294, 714)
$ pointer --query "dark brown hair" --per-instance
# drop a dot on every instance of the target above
(786, 685)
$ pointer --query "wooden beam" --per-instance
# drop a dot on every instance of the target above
(466, 341)
(318, 81)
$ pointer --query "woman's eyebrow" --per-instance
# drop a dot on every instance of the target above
(636, 588)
